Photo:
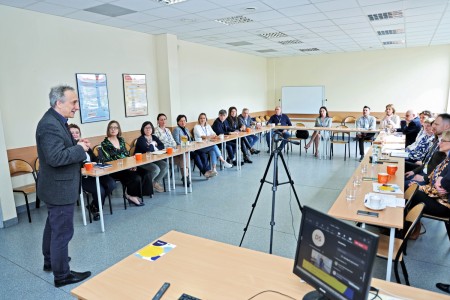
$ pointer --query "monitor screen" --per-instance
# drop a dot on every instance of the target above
(334, 257)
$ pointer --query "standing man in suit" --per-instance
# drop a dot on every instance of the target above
(411, 128)
(59, 182)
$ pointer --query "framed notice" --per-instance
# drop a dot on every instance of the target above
(135, 95)
(93, 96)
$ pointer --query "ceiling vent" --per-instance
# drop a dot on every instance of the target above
(110, 10)
(393, 42)
(386, 15)
(290, 42)
(266, 51)
(309, 49)
(273, 35)
(239, 43)
(234, 20)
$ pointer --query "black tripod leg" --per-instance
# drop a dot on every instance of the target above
(257, 197)
(291, 182)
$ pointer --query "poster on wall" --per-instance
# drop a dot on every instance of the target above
(93, 96)
(135, 95)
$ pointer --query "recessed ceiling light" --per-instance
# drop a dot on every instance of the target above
(234, 20)
(169, 2)
(250, 8)
(266, 51)
(390, 31)
(187, 20)
(394, 42)
(239, 43)
(110, 10)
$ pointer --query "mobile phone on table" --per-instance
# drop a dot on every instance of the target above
(367, 213)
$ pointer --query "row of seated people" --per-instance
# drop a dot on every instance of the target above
(427, 166)
(143, 180)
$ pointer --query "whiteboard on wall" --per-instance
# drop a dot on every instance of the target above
(302, 99)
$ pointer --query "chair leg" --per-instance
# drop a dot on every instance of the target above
(405, 273)
(345, 152)
(28, 208)
(88, 207)
(397, 277)
(124, 198)
(447, 225)
(38, 201)
(110, 206)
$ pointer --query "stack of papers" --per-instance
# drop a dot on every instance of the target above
(397, 153)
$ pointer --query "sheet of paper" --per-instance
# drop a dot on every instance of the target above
(155, 251)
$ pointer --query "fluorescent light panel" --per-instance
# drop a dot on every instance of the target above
(386, 15)
(169, 2)
(234, 20)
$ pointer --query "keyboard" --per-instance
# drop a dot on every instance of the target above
(188, 297)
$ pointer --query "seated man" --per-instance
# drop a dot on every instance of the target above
(247, 121)
(411, 128)
(367, 122)
(279, 119)
(220, 126)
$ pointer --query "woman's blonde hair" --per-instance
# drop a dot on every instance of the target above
(391, 106)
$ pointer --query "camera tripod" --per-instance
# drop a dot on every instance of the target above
(277, 152)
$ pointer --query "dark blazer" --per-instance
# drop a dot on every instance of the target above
(411, 131)
(220, 127)
(59, 181)
(142, 147)
(436, 159)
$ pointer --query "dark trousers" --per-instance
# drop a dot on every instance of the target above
(231, 149)
(58, 232)
(201, 161)
(409, 166)
(432, 206)
(107, 185)
(364, 137)
(131, 181)
(285, 136)
(252, 139)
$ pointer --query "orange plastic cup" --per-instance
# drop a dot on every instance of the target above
(383, 178)
(138, 156)
(391, 169)
(169, 150)
(88, 166)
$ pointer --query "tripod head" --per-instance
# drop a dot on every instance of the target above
(278, 137)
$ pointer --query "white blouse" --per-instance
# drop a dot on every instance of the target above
(200, 131)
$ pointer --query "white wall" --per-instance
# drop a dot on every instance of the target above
(39, 51)
(212, 79)
(409, 78)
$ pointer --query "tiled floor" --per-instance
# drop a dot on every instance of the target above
(217, 209)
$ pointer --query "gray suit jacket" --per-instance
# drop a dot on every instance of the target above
(59, 180)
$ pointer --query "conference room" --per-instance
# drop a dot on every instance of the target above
(190, 76)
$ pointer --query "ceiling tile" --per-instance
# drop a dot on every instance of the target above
(86, 16)
(17, 3)
(310, 17)
(216, 13)
(79, 4)
(279, 4)
(337, 5)
(299, 10)
(51, 9)
(196, 6)
(137, 5)
(138, 17)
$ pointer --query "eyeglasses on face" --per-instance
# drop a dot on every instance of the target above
(113, 127)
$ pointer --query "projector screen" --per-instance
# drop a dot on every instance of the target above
(302, 99)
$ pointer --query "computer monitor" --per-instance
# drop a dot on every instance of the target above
(334, 257)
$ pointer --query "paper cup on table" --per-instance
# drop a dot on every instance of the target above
(138, 156)
(391, 169)
(221, 137)
(120, 162)
(383, 178)
(148, 155)
(248, 130)
(89, 166)
(199, 140)
(169, 150)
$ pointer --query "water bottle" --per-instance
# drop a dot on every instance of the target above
(375, 155)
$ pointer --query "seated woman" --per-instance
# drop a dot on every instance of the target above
(391, 120)
(235, 125)
(135, 182)
(419, 152)
(148, 142)
(204, 131)
(435, 193)
(323, 120)
(107, 184)
(200, 158)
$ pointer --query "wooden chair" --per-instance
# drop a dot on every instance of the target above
(294, 138)
(36, 171)
(341, 138)
(19, 167)
(267, 118)
(413, 218)
(350, 120)
(336, 119)
(132, 150)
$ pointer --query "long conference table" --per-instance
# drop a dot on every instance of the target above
(208, 269)
(131, 162)
(390, 217)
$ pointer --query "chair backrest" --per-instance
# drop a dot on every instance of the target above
(409, 193)
(127, 146)
(413, 217)
(133, 143)
(336, 119)
(132, 149)
(267, 117)
(20, 167)
(343, 134)
(300, 125)
(258, 120)
(349, 119)
(95, 150)
(36, 165)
